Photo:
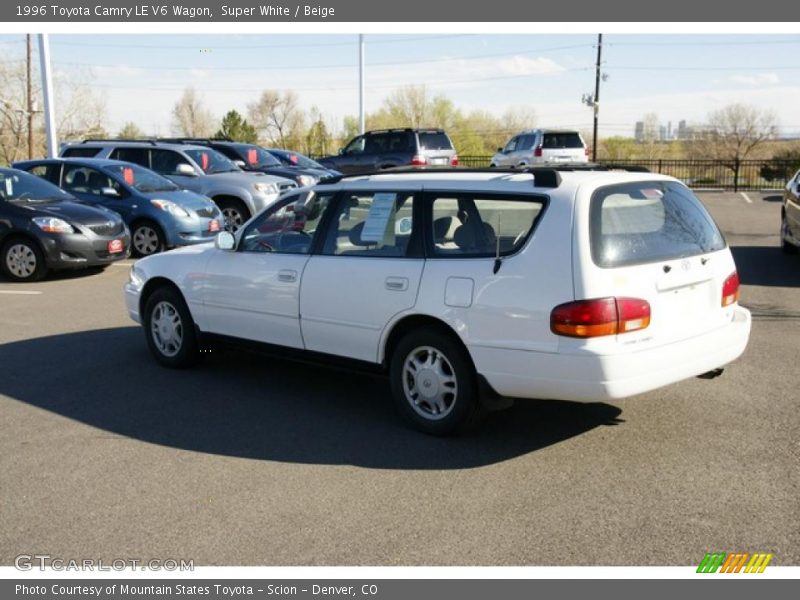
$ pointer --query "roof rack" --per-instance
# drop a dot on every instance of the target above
(131, 140)
(194, 140)
(543, 176)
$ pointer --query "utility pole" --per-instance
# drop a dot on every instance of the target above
(596, 96)
(29, 83)
(361, 125)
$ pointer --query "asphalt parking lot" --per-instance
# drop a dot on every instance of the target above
(250, 460)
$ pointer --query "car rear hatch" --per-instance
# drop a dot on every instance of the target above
(653, 241)
(562, 146)
(436, 147)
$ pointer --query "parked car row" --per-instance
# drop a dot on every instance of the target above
(44, 228)
(175, 192)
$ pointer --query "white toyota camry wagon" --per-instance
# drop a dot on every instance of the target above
(467, 287)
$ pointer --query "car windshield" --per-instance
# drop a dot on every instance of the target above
(256, 158)
(22, 187)
(141, 179)
(296, 160)
(212, 161)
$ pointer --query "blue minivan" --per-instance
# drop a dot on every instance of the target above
(159, 214)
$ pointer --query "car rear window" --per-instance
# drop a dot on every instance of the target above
(562, 140)
(81, 152)
(637, 223)
(434, 140)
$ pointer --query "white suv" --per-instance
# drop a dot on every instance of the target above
(541, 146)
(466, 287)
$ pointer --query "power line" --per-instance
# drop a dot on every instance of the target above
(261, 46)
(731, 43)
(330, 66)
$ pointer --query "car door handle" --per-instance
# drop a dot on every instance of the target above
(397, 284)
(287, 275)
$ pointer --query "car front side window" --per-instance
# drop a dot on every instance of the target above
(371, 224)
(288, 228)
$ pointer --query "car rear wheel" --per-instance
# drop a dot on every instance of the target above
(22, 260)
(434, 384)
(786, 246)
(147, 239)
(169, 329)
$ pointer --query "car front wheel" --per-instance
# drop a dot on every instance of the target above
(22, 260)
(147, 239)
(434, 384)
(169, 329)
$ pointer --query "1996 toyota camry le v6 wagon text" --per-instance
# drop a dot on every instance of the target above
(466, 287)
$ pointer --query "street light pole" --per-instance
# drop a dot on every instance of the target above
(47, 90)
(596, 96)
(361, 125)
(30, 96)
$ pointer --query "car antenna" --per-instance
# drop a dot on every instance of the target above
(498, 262)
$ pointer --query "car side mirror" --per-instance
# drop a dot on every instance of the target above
(239, 163)
(109, 191)
(499, 149)
(185, 169)
(224, 241)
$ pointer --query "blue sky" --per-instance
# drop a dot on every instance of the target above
(676, 76)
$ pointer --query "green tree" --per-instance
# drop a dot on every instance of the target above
(236, 128)
(130, 131)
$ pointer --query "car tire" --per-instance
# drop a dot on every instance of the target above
(786, 246)
(22, 260)
(439, 364)
(234, 213)
(146, 239)
(169, 329)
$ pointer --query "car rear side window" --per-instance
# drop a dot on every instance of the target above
(80, 152)
(649, 221)
(134, 155)
(562, 140)
(434, 140)
(480, 226)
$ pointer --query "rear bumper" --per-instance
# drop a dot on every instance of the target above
(592, 378)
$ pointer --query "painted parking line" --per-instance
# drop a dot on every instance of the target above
(746, 198)
(20, 292)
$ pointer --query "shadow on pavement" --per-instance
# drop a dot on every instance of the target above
(767, 266)
(246, 405)
(772, 198)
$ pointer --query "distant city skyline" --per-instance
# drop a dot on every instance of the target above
(679, 77)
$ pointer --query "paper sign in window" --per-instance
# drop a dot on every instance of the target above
(204, 161)
(252, 156)
(9, 188)
(127, 175)
(379, 226)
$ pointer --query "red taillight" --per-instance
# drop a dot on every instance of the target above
(418, 161)
(599, 317)
(586, 150)
(730, 289)
(537, 151)
(454, 161)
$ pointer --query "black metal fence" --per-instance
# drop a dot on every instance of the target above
(714, 174)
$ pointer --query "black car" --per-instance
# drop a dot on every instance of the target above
(290, 158)
(44, 228)
(389, 148)
(252, 157)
